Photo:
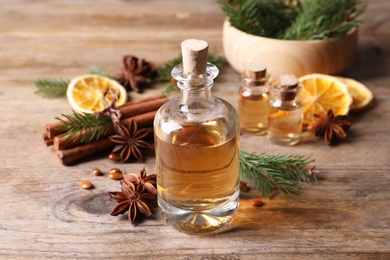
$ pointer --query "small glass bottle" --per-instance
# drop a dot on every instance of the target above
(197, 149)
(285, 117)
(253, 99)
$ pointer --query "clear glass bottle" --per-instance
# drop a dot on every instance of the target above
(253, 99)
(285, 117)
(197, 149)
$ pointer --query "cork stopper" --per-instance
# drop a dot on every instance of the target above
(287, 87)
(255, 71)
(288, 82)
(194, 54)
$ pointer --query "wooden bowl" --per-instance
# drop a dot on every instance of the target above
(330, 56)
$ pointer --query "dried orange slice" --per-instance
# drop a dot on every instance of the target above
(321, 93)
(85, 93)
(361, 95)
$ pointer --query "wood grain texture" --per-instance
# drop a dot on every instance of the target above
(45, 214)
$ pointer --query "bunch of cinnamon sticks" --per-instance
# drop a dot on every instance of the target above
(69, 150)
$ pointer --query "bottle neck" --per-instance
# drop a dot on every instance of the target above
(258, 86)
(285, 95)
(195, 89)
(199, 98)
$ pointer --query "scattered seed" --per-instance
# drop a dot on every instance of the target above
(114, 157)
(243, 186)
(115, 175)
(86, 185)
(116, 170)
(96, 171)
(257, 203)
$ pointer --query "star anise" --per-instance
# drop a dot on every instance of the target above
(331, 128)
(132, 199)
(130, 140)
(136, 73)
(147, 181)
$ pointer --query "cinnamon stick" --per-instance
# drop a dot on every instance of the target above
(52, 130)
(76, 153)
(141, 108)
(63, 142)
(145, 99)
(129, 109)
(48, 141)
(143, 121)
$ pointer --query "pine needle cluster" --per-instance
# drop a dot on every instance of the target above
(98, 71)
(51, 88)
(294, 19)
(84, 127)
(56, 87)
(280, 172)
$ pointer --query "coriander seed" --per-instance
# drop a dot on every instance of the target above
(86, 185)
(96, 171)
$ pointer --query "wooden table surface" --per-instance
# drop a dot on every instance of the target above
(45, 214)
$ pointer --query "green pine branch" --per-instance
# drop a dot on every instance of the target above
(164, 72)
(325, 19)
(98, 71)
(56, 87)
(51, 87)
(267, 18)
(294, 19)
(280, 172)
(84, 127)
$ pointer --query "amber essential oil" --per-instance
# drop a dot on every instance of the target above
(285, 117)
(253, 100)
(285, 126)
(197, 175)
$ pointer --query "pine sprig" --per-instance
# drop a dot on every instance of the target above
(280, 172)
(260, 17)
(51, 87)
(164, 72)
(294, 19)
(325, 19)
(98, 71)
(56, 87)
(84, 127)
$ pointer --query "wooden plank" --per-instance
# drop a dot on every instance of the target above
(44, 212)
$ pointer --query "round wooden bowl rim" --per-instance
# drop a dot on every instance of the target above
(351, 32)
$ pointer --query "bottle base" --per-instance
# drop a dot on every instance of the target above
(289, 139)
(205, 222)
(254, 130)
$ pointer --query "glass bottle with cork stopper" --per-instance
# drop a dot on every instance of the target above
(197, 149)
(253, 99)
(285, 117)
